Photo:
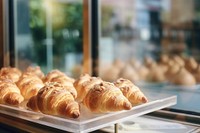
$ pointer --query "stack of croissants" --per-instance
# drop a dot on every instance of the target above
(58, 94)
(174, 69)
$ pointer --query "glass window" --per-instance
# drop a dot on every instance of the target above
(155, 44)
(49, 34)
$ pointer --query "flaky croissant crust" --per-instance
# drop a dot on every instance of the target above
(83, 84)
(105, 97)
(131, 91)
(9, 92)
(55, 100)
(63, 79)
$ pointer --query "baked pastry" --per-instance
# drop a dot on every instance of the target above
(136, 64)
(130, 91)
(111, 73)
(172, 71)
(29, 85)
(179, 60)
(83, 84)
(9, 92)
(11, 73)
(52, 74)
(63, 79)
(143, 71)
(118, 63)
(156, 73)
(191, 64)
(183, 77)
(148, 61)
(196, 74)
(106, 97)
(164, 59)
(129, 72)
(53, 99)
(35, 70)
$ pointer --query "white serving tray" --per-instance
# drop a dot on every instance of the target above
(88, 121)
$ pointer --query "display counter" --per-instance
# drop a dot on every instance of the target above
(31, 121)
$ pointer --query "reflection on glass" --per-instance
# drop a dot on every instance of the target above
(153, 43)
(49, 34)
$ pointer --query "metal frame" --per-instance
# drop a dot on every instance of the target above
(7, 45)
(95, 36)
(91, 36)
(1, 34)
(11, 29)
(86, 37)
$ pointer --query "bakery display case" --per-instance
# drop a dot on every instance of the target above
(88, 121)
(151, 45)
(155, 45)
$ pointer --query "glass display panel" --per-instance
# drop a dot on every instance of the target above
(48, 33)
(153, 43)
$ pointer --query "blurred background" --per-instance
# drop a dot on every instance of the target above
(154, 43)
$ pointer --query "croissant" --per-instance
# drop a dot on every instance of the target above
(83, 84)
(130, 91)
(29, 85)
(11, 73)
(9, 92)
(35, 70)
(53, 99)
(105, 97)
(54, 73)
(64, 80)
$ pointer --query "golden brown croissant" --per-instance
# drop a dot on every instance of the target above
(55, 73)
(35, 70)
(130, 91)
(105, 97)
(11, 73)
(9, 92)
(183, 77)
(83, 84)
(53, 99)
(29, 85)
(63, 79)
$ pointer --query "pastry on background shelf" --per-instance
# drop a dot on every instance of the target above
(9, 92)
(179, 60)
(136, 64)
(11, 73)
(183, 77)
(191, 64)
(118, 63)
(148, 61)
(63, 79)
(106, 97)
(128, 72)
(172, 71)
(29, 84)
(83, 84)
(196, 74)
(164, 59)
(131, 91)
(143, 71)
(111, 73)
(156, 73)
(54, 99)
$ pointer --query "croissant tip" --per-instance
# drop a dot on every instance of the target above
(75, 114)
(127, 106)
(144, 100)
